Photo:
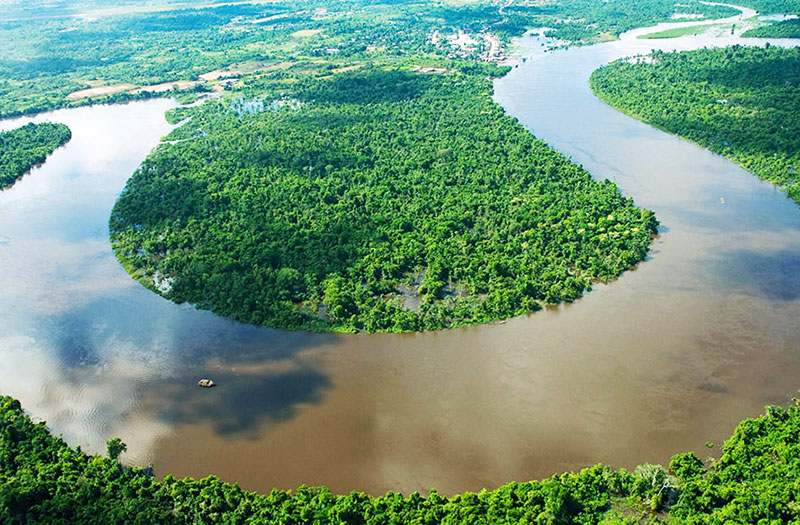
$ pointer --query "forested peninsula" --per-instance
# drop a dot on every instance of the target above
(413, 204)
(754, 480)
(378, 199)
(740, 102)
(23, 148)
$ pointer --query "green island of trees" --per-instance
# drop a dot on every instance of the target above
(375, 199)
(23, 148)
(740, 102)
(755, 480)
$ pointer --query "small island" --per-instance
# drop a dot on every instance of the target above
(23, 148)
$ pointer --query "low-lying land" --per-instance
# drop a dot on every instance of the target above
(25, 147)
(754, 480)
(685, 31)
(52, 52)
(738, 101)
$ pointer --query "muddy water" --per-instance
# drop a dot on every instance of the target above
(666, 358)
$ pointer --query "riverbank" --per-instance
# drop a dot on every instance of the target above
(735, 486)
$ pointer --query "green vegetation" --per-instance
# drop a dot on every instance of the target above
(684, 31)
(740, 102)
(783, 29)
(50, 51)
(43, 480)
(377, 200)
(25, 147)
(783, 7)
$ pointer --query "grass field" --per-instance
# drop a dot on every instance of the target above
(686, 31)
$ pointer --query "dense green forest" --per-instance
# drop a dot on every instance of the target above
(755, 480)
(738, 101)
(783, 29)
(25, 147)
(781, 7)
(377, 199)
(58, 54)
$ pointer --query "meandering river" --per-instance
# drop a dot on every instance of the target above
(671, 355)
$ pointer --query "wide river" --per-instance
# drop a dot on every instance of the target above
(671, 355)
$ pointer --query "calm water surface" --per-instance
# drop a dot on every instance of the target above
(673, 354)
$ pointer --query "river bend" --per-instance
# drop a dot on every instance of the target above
(669, 356)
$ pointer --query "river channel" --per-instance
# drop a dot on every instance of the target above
(669, 356)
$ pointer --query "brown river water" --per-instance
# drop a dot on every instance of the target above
(669, 356)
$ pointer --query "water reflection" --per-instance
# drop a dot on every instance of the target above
(269, 396)
(84, 343)
(774, 275)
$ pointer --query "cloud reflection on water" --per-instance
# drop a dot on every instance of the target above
(86, 347)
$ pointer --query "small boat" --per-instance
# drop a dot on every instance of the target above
(722, 200)
(206, 383)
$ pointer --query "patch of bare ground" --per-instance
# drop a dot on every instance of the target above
(220, 73)
(98, 91)
(166, 86)
(303, 33)
(430, 70)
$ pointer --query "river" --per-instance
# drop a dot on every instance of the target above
(669, 356)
